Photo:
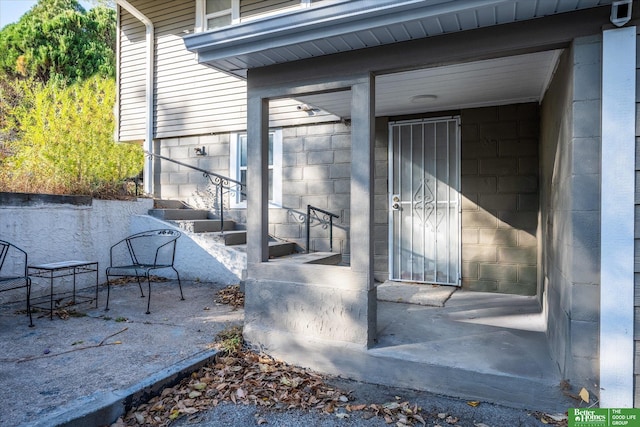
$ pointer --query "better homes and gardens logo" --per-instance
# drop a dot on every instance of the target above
(602, 417)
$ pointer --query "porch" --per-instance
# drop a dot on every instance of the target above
(479, 347)
(324, 308)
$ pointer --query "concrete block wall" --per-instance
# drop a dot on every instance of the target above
(584, 194)
(381, 201)
(316, 171)
(178, 182)
(570, 211)
(499, 192)
(637, 245)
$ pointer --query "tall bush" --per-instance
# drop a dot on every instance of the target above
(65, 139)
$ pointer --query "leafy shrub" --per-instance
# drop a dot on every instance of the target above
(63, 139)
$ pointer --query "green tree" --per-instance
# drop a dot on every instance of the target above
(58, 39)
(66, 139)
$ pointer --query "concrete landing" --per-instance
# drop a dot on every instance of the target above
(414, 293)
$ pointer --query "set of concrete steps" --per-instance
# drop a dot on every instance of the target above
(228, 233)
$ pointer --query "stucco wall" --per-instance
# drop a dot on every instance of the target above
(50, 230)
(570, 203)
(198, 257)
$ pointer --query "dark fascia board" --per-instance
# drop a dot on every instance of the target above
(327, 19)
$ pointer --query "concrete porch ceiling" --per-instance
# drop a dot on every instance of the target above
(501, 81)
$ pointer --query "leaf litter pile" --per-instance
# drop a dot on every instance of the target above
(231, 295)
(242, 376)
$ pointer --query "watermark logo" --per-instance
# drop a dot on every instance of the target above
(603, 417)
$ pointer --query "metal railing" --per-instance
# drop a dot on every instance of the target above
(326, 216)
(221, 182)
(136, 180)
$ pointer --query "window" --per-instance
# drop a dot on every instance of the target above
(212, 14)
(238, 167)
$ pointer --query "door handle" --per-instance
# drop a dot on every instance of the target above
(395, 205)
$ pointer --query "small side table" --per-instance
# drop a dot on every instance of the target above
(56, 270)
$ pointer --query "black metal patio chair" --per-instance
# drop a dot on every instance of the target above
(141, 254)
(13, 272)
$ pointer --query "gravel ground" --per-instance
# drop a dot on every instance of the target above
(484, 415)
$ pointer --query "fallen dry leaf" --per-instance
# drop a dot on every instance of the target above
(584, 395)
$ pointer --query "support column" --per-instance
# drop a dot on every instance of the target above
(294, 309)
(617, 217)
(362, 192)
(257, 179)
(362, 177)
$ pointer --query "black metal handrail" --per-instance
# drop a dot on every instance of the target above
(328, 216)
(220, 181)
(223, 182)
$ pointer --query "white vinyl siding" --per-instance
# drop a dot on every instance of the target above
(131, 124)
(190, 98)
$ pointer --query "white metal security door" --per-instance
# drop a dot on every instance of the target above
(424, 200)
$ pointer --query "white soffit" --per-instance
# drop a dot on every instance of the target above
(332, 26)
(501, 81)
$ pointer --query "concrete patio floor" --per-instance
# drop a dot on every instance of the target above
(88, 385)
(486, 347)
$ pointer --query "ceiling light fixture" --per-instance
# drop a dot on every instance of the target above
(419, 99)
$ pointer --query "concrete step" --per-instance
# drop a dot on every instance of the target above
(230, 238)
(280, 249)
(205, 225)
(277, 249)
(169, 204)
(178, 214)
(324, 258)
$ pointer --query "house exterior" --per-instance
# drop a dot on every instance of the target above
(489, 145)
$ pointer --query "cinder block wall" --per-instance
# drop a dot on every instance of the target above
(178, 182)
(316, 171)
(381, 201)
(499, 192)
(570, 211)
(636, 369)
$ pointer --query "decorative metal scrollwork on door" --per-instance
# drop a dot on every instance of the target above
(424, 205)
